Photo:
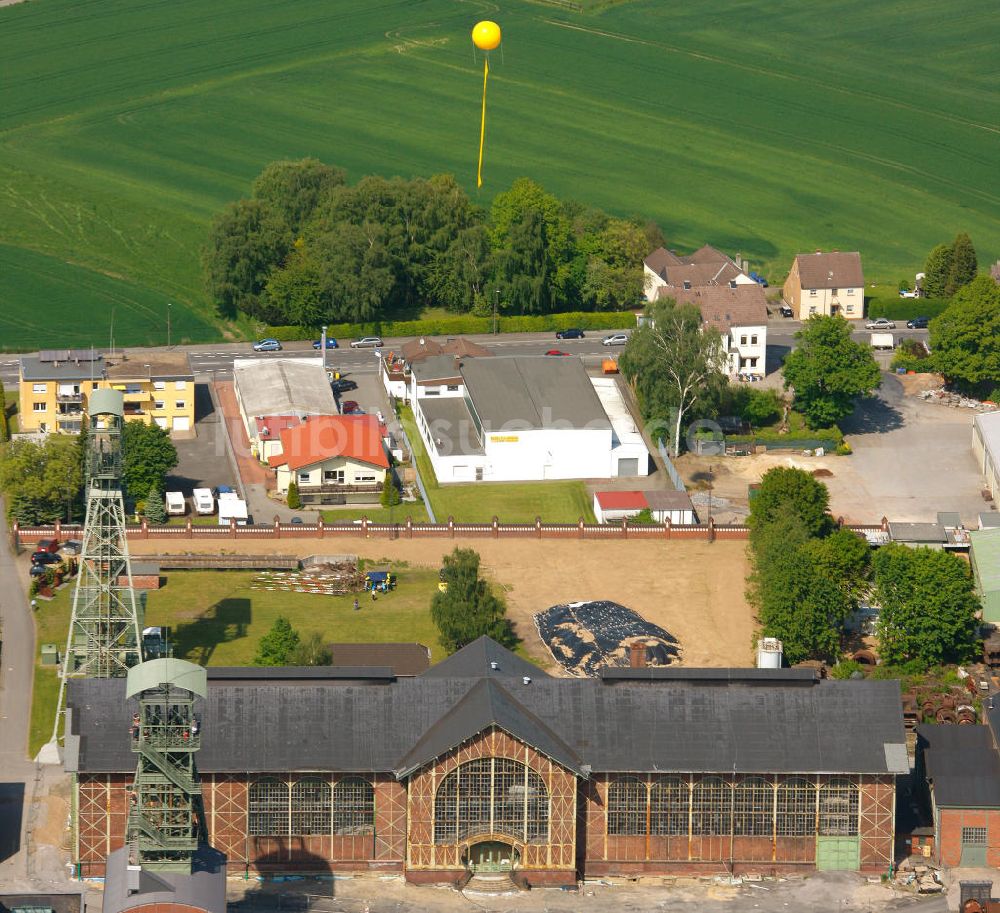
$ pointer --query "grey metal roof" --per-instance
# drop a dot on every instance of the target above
(283, 386)
(949, 519)
(533, 392)
(450, 422)
(203, 889)
(962, 764)
(916, 532)
(33, 368)
(436, 367)
(989, 519)
(688, 724)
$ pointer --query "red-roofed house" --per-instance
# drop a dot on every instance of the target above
(334, 459)
(269, 428)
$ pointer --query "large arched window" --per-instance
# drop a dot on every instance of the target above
(311, 806)
(627, 802)
(267, 807)
(796, 815)
(838, 808)
(353, 807)
(669, 803)
(711, 802)
(491, 796)
(753, 808)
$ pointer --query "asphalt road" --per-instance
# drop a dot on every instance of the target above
(217, 359)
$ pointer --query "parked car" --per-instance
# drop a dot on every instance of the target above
(909, 293)
(267, 345)
(574, 333)
(367, 342)
(918, 323)
(331, 343)
(72, 546)
(556, 352)
(618, 339)
(786, 311)
(343, 386)
(296, 521)
(350, 407)
(223, 490)
(880, 323)
(37, 570)
(47, 545)
(44, 558)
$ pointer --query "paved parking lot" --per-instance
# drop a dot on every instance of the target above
(202, 462)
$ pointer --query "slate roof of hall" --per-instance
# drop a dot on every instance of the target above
(718, 723)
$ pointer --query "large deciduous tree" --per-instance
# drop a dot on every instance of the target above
(294, 189)
(42, 481)
(4, 426)
(927, 606)
(148, 455)
(829, 371)
(786, 489)
(673, 362)
(936, 271)
(246, 242)
(965, 339)
(468, 608)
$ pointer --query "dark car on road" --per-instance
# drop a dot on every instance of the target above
(918, 323)
(574, 333)
(44, 558)
(331, 343)
(343, 386)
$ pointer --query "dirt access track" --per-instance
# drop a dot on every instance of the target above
(695, 590)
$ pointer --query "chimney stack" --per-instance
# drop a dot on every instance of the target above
(637, 655)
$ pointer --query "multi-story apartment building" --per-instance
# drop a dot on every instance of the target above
(826, 284)
(55, 386)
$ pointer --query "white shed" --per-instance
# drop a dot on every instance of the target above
(674, 506)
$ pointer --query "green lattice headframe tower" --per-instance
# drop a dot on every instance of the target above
(105, 415)
(165, 798)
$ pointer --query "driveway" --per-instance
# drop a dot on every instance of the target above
(202, 461)
(911, 459)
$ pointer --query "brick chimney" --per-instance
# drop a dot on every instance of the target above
(637, 655)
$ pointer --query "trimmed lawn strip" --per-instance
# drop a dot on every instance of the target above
(512, 502)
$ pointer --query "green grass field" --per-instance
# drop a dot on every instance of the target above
(766, 131)
(217, 620)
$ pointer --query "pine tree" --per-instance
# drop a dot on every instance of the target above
(390, 493)
(936, 271)
(278, 645)
(964, 265)
(156, 510)
(294, 501)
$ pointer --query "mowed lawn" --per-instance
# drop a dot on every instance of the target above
(766, 131)
(217, 619)
(512, 502)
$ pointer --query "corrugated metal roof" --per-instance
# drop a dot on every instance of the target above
(666, 725)
(986, 558)
(621, 500)
(283, 386)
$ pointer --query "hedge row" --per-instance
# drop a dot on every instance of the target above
(796, 440)
(906, 308)
(463, 325)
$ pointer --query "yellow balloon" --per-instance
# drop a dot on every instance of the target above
(486, 35)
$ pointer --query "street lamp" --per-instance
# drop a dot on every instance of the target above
(496, 305)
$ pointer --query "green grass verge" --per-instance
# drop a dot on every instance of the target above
(217, 620)
(115, 157)
(513, 502)
(415, 510)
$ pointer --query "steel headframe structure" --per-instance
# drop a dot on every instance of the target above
(164, 817)
(105, 632)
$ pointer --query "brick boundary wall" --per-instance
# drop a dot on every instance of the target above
(365, 529)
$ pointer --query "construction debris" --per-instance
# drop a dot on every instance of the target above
(945, 397)
(322, 579)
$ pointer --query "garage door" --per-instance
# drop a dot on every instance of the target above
(162, 422)
(182, 423)
(629, 467)
(838, 854)
(974, 846)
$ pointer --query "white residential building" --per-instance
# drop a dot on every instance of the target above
(520, 419)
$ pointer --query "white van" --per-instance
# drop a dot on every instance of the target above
(176, 507)
(204, 503)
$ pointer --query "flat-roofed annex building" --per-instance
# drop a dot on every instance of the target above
(485, 761)
(55, 387)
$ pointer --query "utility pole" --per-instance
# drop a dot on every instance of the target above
(322, 343)
(496, 305)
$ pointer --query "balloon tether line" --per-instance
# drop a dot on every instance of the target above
(482, 125)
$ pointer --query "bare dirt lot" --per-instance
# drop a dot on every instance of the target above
(695, 590)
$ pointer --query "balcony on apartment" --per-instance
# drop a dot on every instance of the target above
(69, 398)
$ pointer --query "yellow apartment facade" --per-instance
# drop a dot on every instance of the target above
(55, 386)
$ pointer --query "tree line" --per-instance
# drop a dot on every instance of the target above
(307, 248)
(808, 578)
